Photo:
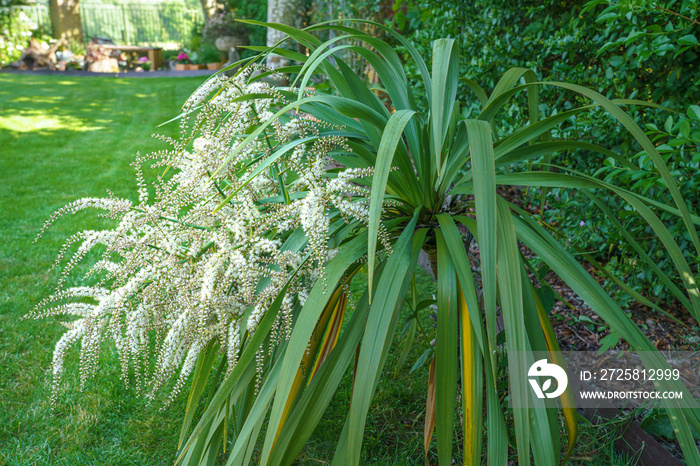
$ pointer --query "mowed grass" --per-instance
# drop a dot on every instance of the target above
(62, 139)
(66, 138)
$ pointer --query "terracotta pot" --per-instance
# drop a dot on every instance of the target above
(191, 67)
(213, 66)
(180, 67)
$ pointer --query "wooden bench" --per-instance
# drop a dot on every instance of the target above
(154, 54)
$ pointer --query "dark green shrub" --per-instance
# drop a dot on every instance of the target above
(646, 52)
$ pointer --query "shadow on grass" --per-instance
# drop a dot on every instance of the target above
(62, 139)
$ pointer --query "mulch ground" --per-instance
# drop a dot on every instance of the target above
(662, 331)
(575, 334)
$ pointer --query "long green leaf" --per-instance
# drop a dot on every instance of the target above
(446, 364)
(477, 89)
(642, 253)
(636, 132)
(305, 323)
(408, 344)
(472, 386)
(567, 398)
(512, 309)
(444, 90)
(547, 148)
(497, 433)
(231, 388)
(387, 148)
(681, 411)
(210, 425)
(382, 317)
(529, 133)
(316, 397)
(484, 176)
(254, 417)
(564, 180)
(415, 55)
(650, 149)
(458, 255)
(199, 381)
(304, 38)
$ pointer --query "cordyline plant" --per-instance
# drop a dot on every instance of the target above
(239, 268)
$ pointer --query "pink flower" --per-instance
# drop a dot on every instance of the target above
(142, 59)
(182, 56)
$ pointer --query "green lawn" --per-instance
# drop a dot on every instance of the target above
(66, 138)
(62, 139)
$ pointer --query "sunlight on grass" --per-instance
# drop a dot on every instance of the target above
(38, 121)
(33, 100)
(64, 139)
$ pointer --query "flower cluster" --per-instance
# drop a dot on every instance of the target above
(225, 231)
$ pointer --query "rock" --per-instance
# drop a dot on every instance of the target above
(107, 65)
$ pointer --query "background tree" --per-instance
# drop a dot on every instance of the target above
(209, 7)
(65, 20)
(287, 12)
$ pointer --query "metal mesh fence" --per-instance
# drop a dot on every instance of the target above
(140, 23)
(165, 24)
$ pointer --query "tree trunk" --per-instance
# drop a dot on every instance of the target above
(288, 12)
(209, 7)
(65, 20)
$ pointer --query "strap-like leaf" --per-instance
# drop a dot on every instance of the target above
(429, 424)
(255, 417)
(232, 387)
(459, 257)
(532, 131)
(681, 411)
(564, 180)
(305, 323)
(383, 314)
(484, 179)
(642, 253)
(567, 398)
(444, 90)
(633, 129)
(497, 446)
(303, 37)
(547, 148)
(305, 368)
(477, 89)
(446, 366)
(199, 381)
(316, 397)
(387, 148)
(512, 309)
(472, 386)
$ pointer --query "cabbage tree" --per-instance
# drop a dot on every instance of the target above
(436, 176)
(406, 180)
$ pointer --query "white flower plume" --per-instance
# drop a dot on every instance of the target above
(199, 260)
